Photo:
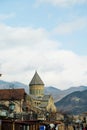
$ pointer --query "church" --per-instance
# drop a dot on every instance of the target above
(37, 97)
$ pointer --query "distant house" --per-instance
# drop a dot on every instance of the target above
(15, 96)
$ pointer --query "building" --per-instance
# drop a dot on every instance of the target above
(37, 98)
(12, 99)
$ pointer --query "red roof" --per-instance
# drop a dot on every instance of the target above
(12, 94)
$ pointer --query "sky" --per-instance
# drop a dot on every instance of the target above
(47, 36)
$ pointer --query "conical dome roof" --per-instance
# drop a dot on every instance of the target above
(36, 80)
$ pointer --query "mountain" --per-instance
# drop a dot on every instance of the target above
(74, 103)
(9, 85)
(73, 89)
(59, 94)
(55, 92)
(51, 89)
(62, 93)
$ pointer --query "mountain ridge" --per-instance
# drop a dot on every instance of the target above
(74, 103)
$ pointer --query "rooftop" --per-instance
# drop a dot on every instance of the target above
(14, 94)
(36, 80)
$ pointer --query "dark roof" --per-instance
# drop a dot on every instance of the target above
(12, 94)
(36, 80)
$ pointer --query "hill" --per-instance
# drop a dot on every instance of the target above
(55, 92)
(9, 85)
(74, 103)
(59, 94)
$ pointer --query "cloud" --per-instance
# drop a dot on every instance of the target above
(63, 3)
(72, 69)
(24, 50)
(33, 38)
(72, 26)
(6, 16)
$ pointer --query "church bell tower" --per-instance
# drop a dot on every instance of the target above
(36, 86)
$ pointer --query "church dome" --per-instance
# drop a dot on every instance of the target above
(36, 86)
(36, 80)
